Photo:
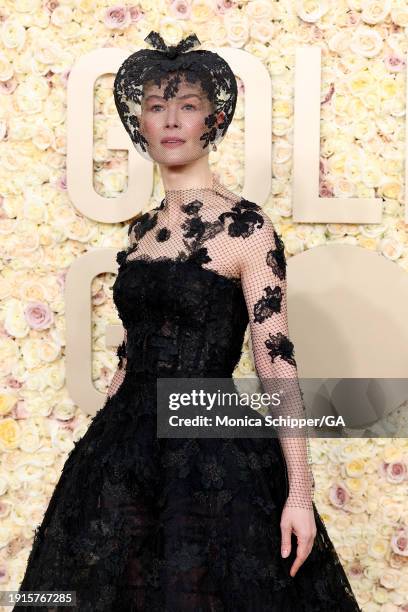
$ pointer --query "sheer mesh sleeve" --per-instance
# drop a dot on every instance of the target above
(263, 277)
(120, 372)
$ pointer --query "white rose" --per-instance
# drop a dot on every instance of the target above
(13, 33)
(366, 42)
(282, 126)
(7, 533)
(31, 93)
(377, 548)
(61, 16)
(43, 137)
(202, 11)
(3, 485)
(55, 375)
(339, 41)
(37, 406)
(49, 351)
(390, 579)
(30, 439)
(61, 439)
(260, 10)
(392, 248)
(217, 33)
(399, 14)
(237, 27)
(54, 107)
(113, 180)
(34, 207)
(32, 289)
(293, 244)
(64, 410)
(6, 68)
(15, 322)
(375, 11)
(311, 10)
(60, 214)
(264, 32)
(342, 187)
(28, 472)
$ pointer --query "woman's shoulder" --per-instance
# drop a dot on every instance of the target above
(141, 223)
(248, 221)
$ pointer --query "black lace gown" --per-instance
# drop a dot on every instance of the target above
(138, 522)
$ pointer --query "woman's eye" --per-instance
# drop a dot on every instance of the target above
(160, 106)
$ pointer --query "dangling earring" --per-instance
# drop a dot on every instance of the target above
(214, 146)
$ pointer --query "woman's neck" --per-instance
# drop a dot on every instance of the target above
(187, 176)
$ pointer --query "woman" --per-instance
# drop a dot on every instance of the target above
(138, 522)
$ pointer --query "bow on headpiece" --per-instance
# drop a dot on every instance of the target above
(172, 51)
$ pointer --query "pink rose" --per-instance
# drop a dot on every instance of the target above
(338, 495)
(8, 87)
(38, 315)
(394, 63)
(99, 298)
(326, 189)
(135, 13)
(223, 6)
(117, 17)
(13, 383)
(396, 471)
(180, 9)
(323, 166)
(353, 18)
(19, 411)
(399, 542)
(51, 5)
(61, 183)
(356, 569)
(61, 277)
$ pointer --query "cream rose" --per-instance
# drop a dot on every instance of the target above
(9, 434)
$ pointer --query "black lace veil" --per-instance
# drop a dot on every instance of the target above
(168, 65)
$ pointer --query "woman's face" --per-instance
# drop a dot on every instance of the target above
(173, 127)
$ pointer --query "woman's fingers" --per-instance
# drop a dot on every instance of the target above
(286, 531)
(304, 546)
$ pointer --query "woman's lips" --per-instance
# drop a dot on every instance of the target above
(171, 143)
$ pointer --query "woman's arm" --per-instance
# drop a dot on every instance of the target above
(263, 277)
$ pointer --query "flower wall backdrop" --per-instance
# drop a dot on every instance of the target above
(361, 484)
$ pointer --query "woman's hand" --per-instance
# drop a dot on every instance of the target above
(302, 522)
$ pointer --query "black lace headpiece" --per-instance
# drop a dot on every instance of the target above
(208, 68)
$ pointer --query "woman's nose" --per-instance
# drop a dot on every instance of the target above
(172, 118)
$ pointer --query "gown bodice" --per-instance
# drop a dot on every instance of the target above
(180, 319)
(178, 289)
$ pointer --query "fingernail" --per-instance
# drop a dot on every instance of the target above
(284, 552)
